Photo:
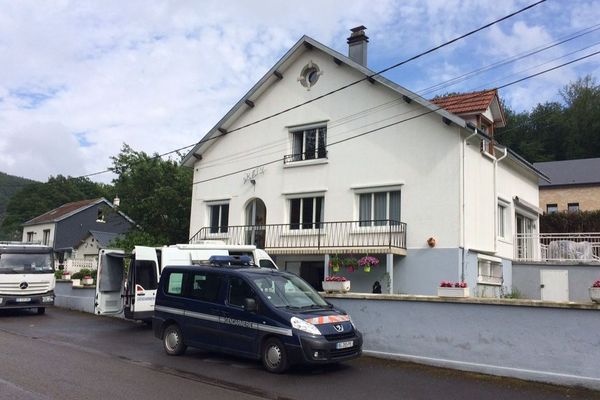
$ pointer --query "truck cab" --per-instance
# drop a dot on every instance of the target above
(26, 276)
(127, 283)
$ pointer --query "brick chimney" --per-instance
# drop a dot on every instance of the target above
(357, 45)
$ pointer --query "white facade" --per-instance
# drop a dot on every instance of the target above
(449, 189)
(42, 233)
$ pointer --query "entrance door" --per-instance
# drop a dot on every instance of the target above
(313, 273)
(554, 284)
(256, 218)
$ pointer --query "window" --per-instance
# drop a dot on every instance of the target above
(175, 283)
(525, 230)
(219, 218)
(551, 208)
(46, 240)
(239, 291)
(375, 209)
(309, 144)
(306, 213)
(489, 272)
(145, 274)
(205, 287)
(30, 236)
(573, 207)
(502, 220)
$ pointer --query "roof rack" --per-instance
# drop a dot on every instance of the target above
(231, 261)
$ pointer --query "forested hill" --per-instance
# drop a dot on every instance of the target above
(9, 185)
(555, 131)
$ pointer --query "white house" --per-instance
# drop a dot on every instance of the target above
(371, 169)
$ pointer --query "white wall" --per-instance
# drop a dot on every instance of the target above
(421, 155)
(87, 249)
(38, 231)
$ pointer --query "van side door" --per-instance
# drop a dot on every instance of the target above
(240, 328)
(203, 309)
(142, 283)
(110, 282)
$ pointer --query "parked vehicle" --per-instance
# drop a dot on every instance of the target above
(132, 289)
(26, 276)
(234, 307)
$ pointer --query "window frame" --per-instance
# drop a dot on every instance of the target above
(370, 222)
(220, 227)
(571, 207)
(301, 224)
(190, 289)
(551, 205)
(181, 289)
(495, 270)
(46, 237)
(320, 143)
(228, 297)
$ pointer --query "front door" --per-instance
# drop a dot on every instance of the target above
(256, 218)
(554, 285)
(313, 273)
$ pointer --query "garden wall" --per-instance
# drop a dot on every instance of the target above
(78, 298)
(533, 340)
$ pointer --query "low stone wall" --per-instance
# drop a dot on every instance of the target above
(79, 298)
(527, 339)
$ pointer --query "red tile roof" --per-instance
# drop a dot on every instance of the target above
(61, 211)
(466, 102)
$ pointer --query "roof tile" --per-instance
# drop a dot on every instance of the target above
(466, 102)
(61, 211)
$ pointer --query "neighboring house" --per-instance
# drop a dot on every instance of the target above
(64, 227)
(574, 185)
(92, 243)
(313, 190)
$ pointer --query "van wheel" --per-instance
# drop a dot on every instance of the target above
(41, 310)
(173, 341)
(274, 357)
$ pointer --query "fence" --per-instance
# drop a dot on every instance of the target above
(583, 247)
(75, 265)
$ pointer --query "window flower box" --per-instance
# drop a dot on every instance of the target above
(595, 292)
(333, 284)
(87, 280)
(450, 289)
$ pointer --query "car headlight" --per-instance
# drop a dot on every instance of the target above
(352, 322)
(304, 326)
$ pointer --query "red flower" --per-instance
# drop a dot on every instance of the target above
(335, 278)
(596, 284)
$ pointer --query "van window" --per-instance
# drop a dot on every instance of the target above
(239, 290)
(205, 287)
(266, 264)
(175, 283)
(145, 274)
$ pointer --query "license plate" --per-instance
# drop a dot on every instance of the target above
(344, 345)
(23, 299)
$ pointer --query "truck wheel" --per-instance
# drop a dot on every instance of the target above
(173, 341)
(274, 357)
(41, 310)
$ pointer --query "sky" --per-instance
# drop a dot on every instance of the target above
(80, 78)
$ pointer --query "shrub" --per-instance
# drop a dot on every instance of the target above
(77, 275)
(570, 222)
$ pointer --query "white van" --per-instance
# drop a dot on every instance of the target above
(132, 289)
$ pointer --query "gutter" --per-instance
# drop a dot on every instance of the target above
(496, 161)
(464, 202)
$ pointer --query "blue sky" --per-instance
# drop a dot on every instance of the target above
(83, 77)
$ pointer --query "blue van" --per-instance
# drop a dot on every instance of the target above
(237, 308)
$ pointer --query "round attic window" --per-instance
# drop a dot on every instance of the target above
(310, 75)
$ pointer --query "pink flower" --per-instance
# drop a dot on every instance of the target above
(334, 278)
(368, 260)
(596, 284)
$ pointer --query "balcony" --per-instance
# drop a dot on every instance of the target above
(558, 247)
(373, 236)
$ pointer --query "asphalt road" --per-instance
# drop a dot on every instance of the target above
(72, 355)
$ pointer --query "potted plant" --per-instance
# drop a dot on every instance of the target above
(338, 284)
(453, 289)
(595, 291)
(367, 262)
(76, 278)
(350, 263)
(66, 275)
(87, 280)
(335, 263)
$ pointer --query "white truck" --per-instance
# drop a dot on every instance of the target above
(26, 276)
(132, 289)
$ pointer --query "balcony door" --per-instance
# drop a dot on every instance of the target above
(256, 218)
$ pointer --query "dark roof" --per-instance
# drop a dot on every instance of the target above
(466, 102)
(63, 211)
(104, 238)
(570, 172)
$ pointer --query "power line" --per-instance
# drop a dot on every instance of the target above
(394, 123)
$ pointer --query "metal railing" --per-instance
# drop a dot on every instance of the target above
(309, 155)
(318, 236)
(581, 247)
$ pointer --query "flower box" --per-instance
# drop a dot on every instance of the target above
(332, 286)
(453, 291)
(76, 282)
(87, 280)
(595, 294)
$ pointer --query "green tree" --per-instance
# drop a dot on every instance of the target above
(37, 198)
(156, 194)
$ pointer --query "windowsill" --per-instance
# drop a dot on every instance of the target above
(305, 163)
(486, 283)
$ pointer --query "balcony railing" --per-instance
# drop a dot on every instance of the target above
(376, 236)
(309, 155)
(557, 247)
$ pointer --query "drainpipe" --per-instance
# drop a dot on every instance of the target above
(464, 201)
(496, 161)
